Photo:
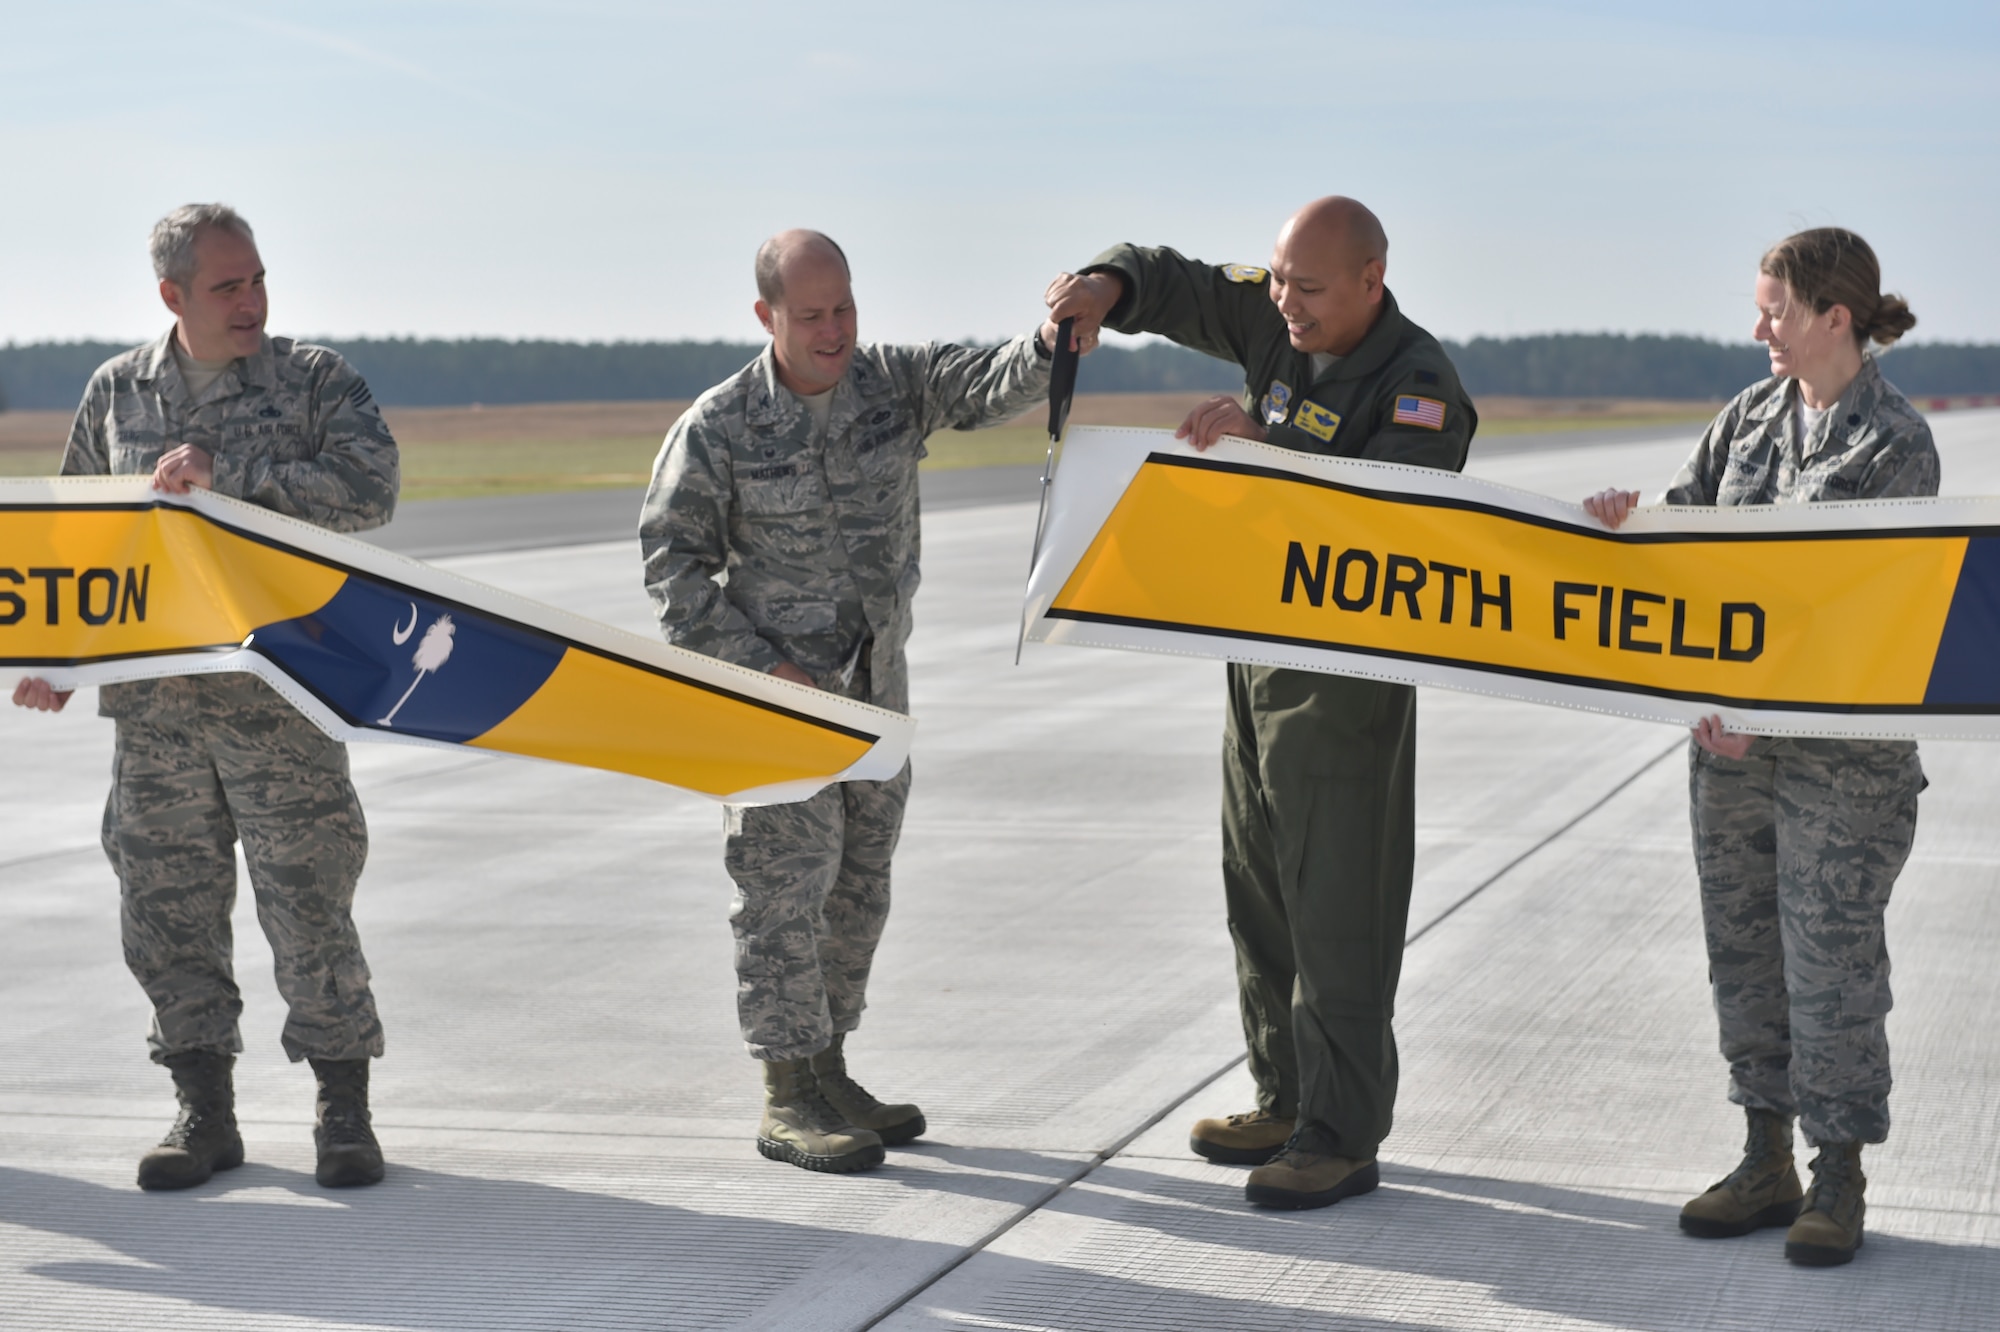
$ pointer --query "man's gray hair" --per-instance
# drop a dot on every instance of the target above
(174, 236)
(771, 256)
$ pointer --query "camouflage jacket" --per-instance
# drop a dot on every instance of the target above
(292, 428)
(1872, 444)
(764, 544)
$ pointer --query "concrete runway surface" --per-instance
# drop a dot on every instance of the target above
(568, 1112)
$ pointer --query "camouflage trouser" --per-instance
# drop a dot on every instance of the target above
(1797, 846)
(232, 759)
(812, 896)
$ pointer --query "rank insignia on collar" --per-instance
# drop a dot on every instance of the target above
(1244, 273)
(1317, 421)
(1277, 402)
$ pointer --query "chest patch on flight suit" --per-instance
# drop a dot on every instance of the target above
(1244, 273)
(1277, 402)
(1317, 421)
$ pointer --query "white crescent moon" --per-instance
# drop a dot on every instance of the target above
(401, 634)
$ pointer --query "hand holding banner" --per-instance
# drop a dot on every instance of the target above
(104, 579)
(1871, 619)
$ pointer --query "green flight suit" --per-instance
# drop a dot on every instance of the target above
(1318, 805)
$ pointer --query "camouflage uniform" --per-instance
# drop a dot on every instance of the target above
(766, 542)
(1799, 843)
(204, 759)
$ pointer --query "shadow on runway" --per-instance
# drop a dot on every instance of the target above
(435, 1250)
(432, 1250)
(1542, 1254)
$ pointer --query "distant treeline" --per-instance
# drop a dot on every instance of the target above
(430, 372)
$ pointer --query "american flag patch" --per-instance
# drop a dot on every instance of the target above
(1425, 412)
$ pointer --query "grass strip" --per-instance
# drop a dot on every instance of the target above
(468, 469)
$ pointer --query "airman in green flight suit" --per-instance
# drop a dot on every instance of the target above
(1318, 818)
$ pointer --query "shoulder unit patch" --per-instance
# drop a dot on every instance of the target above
(1244, 273)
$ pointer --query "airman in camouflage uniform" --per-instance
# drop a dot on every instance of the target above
(781, 533)
(1798, 842)
(203, 760)
(1794, 919)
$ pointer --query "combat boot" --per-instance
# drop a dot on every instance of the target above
(1247, 1139)
(203, 1139)
(893, 1124)
(1762, 1191)
(1299, 1177)
(1829, 1230)
(348, 1152)
(802, 1128)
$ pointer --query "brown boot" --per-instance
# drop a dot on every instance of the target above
(1297, 1178)
(801, 1128)
(1762, 1191)
(1247, 1139)
(893, 1124)
(1829, 1230)
(203, 1139)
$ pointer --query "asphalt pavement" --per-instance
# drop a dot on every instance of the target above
(436, 529)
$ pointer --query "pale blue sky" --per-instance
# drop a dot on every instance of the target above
(605, 170)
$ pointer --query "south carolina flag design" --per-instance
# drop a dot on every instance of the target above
(104, 579)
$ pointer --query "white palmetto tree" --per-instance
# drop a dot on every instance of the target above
(432, 652)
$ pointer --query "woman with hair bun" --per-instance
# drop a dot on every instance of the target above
(1797, 842)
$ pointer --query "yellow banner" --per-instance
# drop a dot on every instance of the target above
(105, 579)
(1861, 619)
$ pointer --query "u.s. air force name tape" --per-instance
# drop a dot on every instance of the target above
(104, 579)
(1864, 619)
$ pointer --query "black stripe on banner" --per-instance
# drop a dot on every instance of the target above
(210, 648)
(1548, 677)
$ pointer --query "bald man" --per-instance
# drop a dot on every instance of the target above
(781, 533)
(1318, 826)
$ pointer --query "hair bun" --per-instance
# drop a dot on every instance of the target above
(1892, 319)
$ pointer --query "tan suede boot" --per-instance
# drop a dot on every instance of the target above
(1248, 1139)
(801, 1128)
(894, 1124)
(1762, 1191)
(1295, 1179)
(1829, 1230)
